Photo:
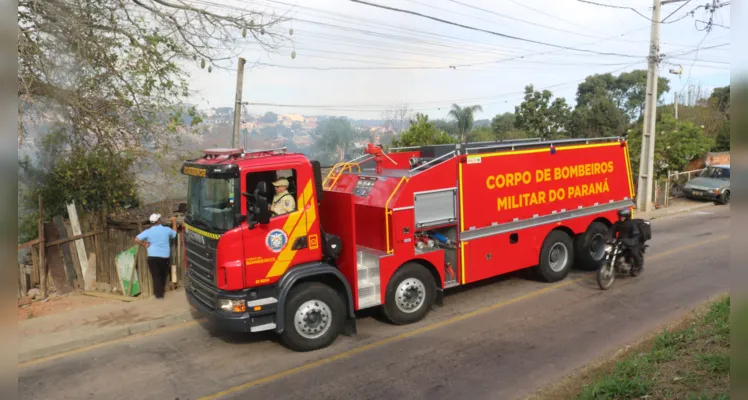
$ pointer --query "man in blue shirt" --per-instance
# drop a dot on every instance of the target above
(156, 240)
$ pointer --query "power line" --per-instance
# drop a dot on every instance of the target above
(402, 38)
(489, 31)
(548, 15)
(515, 19)
(699, 48)
(355, 107)
(619, 7)
(711, 23)
(676, 10)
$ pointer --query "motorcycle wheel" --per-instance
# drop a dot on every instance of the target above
(605, 276)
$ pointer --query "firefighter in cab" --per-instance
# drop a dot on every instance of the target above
(283, 201)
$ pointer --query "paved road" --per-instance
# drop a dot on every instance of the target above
(498, 340)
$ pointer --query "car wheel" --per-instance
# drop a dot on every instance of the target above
(724, 198)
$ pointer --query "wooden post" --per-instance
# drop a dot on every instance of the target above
(85, 275)
(42, 252)
(22, 279)
(36, 269)
(67, 256)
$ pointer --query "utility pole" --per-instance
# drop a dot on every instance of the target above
(646, 163)
(238, 103)
(676, 105)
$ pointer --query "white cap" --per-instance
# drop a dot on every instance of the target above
(154, 217)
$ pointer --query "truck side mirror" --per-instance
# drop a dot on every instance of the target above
(263, 211)
(239, 218)
(261, 189)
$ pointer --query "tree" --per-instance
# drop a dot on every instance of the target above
(627, 92)
(678, 142)
(481, 134)
(720, 99)
(333, 138)
(113, 71)
(464, 118)
(597, 117)
(446, 126)
(540, 116)
(502, 123)
(95, 180)
(111, 75)
(631, 91)
(421, 133)
(269, 118)
(722, 142)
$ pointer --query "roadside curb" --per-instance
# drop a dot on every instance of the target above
(102, 337)
(668, 213)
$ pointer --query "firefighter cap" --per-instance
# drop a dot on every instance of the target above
(281, 182)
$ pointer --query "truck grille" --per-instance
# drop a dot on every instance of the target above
(201, 270)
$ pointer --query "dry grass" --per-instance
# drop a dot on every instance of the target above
(690, 361)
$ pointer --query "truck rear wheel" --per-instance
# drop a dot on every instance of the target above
(410, 294)
(314, 314)
(589, 247)
(556, 257)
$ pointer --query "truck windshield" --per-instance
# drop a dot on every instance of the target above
(211, 202)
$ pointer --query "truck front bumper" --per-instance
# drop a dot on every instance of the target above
(260, 316)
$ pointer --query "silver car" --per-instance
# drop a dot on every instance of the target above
(713, 184)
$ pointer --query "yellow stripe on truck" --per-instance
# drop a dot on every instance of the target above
(300, 228)
(201, 232)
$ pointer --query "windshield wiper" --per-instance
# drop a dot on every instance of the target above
(197, 221)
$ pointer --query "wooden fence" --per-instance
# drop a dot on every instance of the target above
(57, 259)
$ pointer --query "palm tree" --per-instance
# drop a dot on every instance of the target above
(464, 118)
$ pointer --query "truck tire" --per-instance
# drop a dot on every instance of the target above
(724, 198)
(589, 247)
(556, 257)
(314, 315)
(410, 294)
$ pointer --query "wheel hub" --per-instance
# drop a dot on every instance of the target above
(597, 247)
(558, 257)
(312, 319)
(410, 295)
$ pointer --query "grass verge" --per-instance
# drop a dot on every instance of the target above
(689, 361)
(692, 362)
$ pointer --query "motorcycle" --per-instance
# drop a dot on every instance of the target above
(616, 261)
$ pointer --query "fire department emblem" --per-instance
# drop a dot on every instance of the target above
(276, 240)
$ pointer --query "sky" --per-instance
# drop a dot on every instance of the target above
(359, 61)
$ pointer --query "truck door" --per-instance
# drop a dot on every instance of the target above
(288, 239)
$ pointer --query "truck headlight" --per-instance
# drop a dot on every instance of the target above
(237, 306)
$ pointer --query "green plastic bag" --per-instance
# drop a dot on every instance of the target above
(128, 276)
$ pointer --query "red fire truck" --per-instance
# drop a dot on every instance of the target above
(390, 230)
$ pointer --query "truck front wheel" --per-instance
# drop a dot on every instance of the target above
(314, 314)
(556, 257)
(410, 294)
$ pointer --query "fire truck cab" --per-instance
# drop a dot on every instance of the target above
(390, 230)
